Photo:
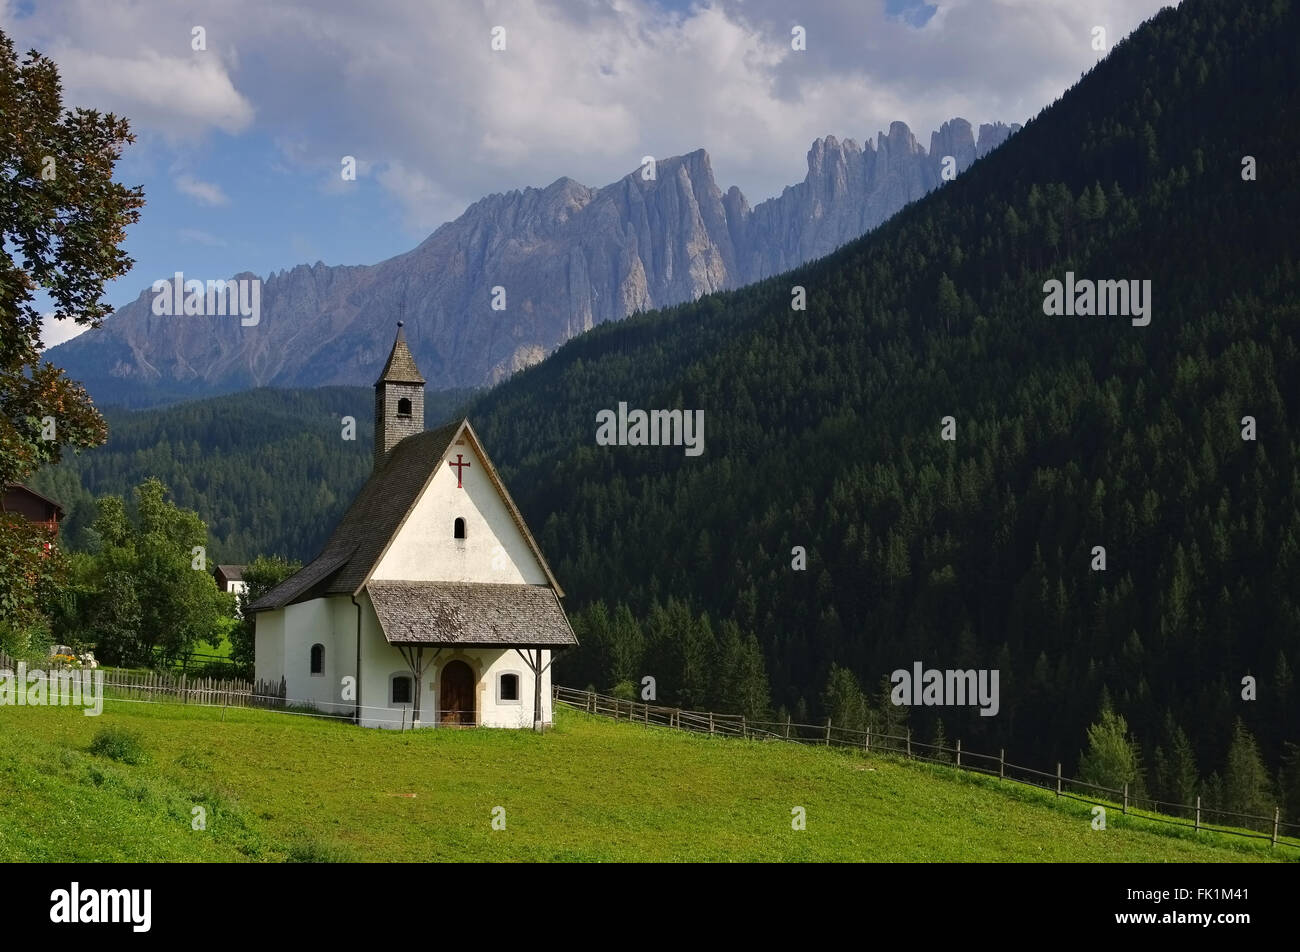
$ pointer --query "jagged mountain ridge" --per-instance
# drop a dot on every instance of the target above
(568, 256)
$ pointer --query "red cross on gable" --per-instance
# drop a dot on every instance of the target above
(459, 466)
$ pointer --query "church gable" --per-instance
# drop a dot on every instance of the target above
(463, 528)
(433, 510)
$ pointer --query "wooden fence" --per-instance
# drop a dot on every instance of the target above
(226, 692)
(155, 685)
(868, 741)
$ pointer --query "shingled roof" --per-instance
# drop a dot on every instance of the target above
(401, 365)
(377, 514)
(470, 614)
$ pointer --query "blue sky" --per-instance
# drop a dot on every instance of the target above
(240, 143)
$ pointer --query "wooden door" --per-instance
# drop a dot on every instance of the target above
(456, 699)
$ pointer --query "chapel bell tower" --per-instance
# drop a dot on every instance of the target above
(399, 399)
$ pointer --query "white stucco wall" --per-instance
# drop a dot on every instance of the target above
(268, 645)
(425, 550)
(305, 624)
(380, 661)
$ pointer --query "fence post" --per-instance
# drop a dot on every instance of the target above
(958, 751)
(1198, 814)
(909, 742)
(867, 742)
(1126, 796)
(828, 732)
(1058, 778)
(1002, 763)
(787, 727)
(744, 731)
(647, 714)
(1277, 815)
(710, 722)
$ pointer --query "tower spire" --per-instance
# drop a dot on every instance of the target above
(399, 399)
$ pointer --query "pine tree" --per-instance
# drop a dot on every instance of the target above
(1112, 758)
(1288, 781)
(1175, 767)
(940, 742)
(949, 305)
(750, 687)
(843, 701)
(1246, 786)
(625, 647)
(889, 719)
(694, 657)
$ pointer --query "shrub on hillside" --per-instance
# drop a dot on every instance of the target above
(119, 744)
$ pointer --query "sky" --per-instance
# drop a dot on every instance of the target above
(244, 111)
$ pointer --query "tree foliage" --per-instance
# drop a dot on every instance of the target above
(145, 593)
(1112, 759)
(62, 218)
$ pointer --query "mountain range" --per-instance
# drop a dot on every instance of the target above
(567, 257)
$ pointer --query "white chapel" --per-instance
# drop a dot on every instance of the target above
(431, 603)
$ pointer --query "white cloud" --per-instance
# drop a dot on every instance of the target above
(584, 88)
(205, 193)
(54, 332)
(178, 96)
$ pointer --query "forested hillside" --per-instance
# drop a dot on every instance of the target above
(268, 470)
(823, 430)
(823, 427)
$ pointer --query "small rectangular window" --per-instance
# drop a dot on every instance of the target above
(401, 690)
(509, 687)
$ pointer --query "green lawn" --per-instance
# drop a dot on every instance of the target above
(278, 786)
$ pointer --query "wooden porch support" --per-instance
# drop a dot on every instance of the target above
(538, 670)
(413, 655)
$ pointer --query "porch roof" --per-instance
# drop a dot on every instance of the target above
(470, 614)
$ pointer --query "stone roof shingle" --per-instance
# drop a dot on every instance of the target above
(470, 614)
(401, 365)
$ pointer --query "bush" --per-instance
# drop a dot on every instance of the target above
(30, 640)
(119, 744)
(219, 670)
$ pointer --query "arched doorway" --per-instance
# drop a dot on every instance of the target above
(456, 699)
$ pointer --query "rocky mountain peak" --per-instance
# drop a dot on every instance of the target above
(568, 257)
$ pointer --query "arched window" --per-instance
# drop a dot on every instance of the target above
(318, 661)
(401, 689)
(458, 528)
(404, 407)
